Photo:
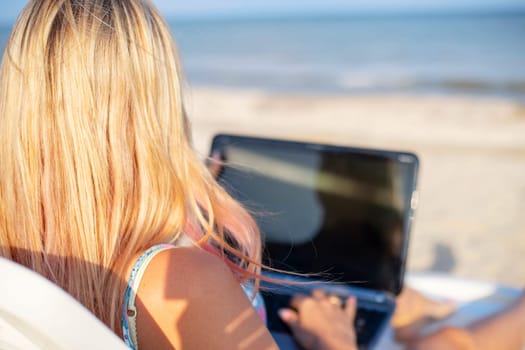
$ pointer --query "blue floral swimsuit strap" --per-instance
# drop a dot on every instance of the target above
(129, 310)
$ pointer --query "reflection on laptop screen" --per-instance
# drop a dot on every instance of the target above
(325, 210)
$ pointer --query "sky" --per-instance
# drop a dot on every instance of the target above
(180, 8)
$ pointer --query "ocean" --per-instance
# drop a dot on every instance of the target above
(441, 54)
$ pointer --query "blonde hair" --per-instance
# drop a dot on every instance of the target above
(97, 162)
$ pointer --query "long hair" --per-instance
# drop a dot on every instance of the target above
(96, 157)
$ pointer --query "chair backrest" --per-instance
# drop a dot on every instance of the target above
(37, 314)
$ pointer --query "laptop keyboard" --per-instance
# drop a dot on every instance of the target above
(367, 321)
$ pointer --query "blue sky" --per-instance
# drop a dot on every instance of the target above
(9, 8)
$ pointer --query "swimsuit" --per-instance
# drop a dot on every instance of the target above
(129, 311)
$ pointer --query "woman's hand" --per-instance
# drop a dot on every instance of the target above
(214, 164)
(319, 322)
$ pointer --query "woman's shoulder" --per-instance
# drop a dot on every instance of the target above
(184, 270)
(189, 298)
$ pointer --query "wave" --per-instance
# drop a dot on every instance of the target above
(446, 84)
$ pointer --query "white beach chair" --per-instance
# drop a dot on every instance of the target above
(37, 314)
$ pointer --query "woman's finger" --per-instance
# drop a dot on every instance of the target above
(318, 294)
(335, 300)
(297, 301)
(289, 316)
(214, 163)
(351, 307)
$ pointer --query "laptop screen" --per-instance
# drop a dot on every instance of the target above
(343, 213)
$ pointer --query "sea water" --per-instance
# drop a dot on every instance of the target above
(445, 54)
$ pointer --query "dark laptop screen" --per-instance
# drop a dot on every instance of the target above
(341, 212)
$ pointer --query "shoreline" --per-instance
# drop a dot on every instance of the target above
(472, 152)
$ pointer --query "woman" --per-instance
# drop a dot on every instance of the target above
(98, 173)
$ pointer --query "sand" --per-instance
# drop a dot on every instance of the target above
(471, 216)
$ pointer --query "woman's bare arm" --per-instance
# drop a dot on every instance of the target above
(503, 331)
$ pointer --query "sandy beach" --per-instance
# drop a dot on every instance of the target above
(470, 220)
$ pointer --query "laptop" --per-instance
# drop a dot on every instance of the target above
(340, 217)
